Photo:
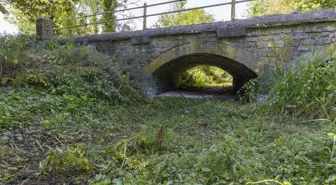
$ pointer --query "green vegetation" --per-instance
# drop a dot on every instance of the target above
(205, 76)
(69, 115)
(307, 89)
(303, 89)
(184, 18)
(20, 13)
(267, 7)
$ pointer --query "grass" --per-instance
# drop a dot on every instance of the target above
(62, 139)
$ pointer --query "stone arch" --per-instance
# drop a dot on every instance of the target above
(162, 71)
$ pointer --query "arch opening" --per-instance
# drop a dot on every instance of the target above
(167, 77)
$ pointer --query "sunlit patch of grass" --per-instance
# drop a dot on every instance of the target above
(205, 76)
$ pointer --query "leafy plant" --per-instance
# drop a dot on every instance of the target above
(66, 162)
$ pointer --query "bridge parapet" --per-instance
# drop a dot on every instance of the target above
(252, 45)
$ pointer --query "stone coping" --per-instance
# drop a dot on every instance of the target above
(240, 25)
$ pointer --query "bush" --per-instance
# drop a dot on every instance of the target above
(65, 69)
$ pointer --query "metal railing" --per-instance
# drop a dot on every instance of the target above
(233, 4)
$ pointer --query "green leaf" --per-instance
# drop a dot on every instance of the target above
(5, 80)
(117, 181)
(15, 61)
(205, 169)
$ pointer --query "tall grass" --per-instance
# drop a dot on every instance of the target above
(306, 88)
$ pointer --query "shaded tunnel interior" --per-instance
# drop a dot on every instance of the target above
(166, 77)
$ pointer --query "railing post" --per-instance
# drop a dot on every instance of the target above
(86, 25)
(145, 16)
(233, 10)
(44, 28)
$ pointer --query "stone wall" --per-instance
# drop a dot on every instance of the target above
(244, 47)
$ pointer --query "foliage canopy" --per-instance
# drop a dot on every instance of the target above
(20, 13)
(266, 7)
(184, 18)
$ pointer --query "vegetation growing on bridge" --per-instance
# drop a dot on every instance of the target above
(69, 116)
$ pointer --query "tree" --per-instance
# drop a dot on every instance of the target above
(24, 14)
(266, 7)
(184, 18)
(108, 6)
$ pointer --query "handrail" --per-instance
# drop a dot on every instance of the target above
(200, 7)
(122, 10)
(145, 15)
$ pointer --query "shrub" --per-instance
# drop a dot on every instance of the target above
(66, 69)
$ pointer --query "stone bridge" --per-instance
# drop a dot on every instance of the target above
(244, 48)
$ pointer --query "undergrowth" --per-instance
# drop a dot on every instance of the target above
(65, 70)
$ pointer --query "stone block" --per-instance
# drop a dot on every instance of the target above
(276, 44)
(271, 54)
(207, 35)
(299, 36)
(261, 44)
(322, 41)
(140, 40)
(44, 28)
(248, 45)
(250, 39)
(320, 28)
(231, 31)
(276, 31)
(304, 48)
(265, 38)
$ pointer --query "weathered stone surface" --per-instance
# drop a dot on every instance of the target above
(276, 44)
(242, 48)
(44, 28)
(231, 31)
(140, 40)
